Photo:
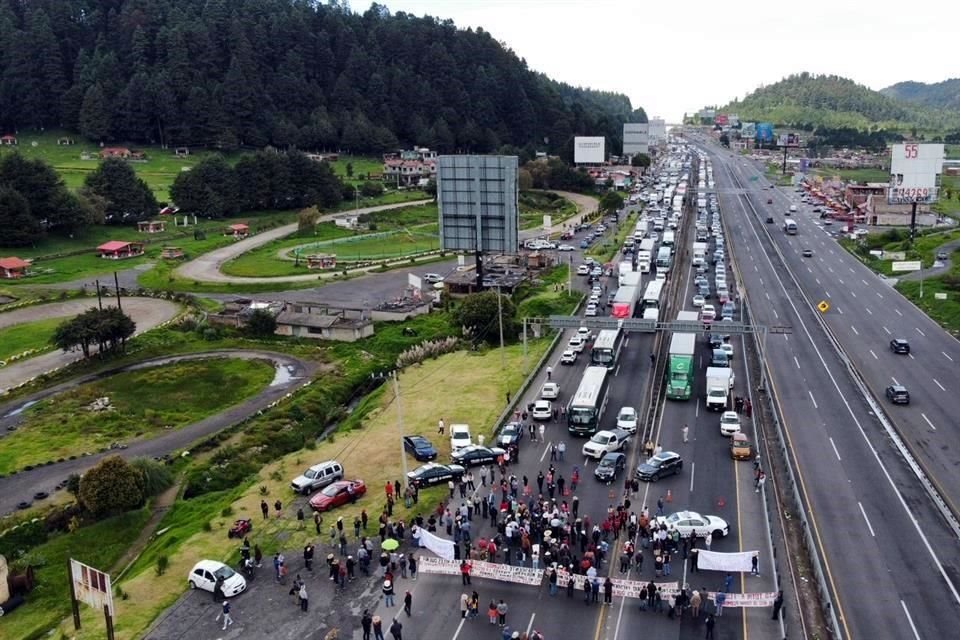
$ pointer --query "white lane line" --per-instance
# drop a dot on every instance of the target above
(812, 399)
(879, 295)
(766, 294)
(616, 371)
(920, 332)
(861, 279)
(755, 268)
(927, 420)
(888, 331)
(840, 280)
(530, 626)
(840, 310)
(761, 281)
(693, 467)
(895, 382)
(809, 269)
(830, 269)
(775, 314)
(545, 451)
(867, 520)
(835, 452)
(818, 280)
(853, 294)
(946, 356)
(854, 329)
(898, 312)
(797, 361)
(937, 382)
(868, 310)
(828, 294)
(910, 355)
(874, 355)
(916, 634)
(459, 627)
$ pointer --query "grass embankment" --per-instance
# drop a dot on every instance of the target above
(145, 403)
(604, 249)
(551, 298)
(369, 434)
(535, 204)
(924, 248)
(18, 338)
(854, 175)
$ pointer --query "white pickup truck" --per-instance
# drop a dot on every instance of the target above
(604, 442)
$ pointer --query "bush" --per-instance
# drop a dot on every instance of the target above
(17, 541)
(371, 189)
(162, 563)
(157, 477)
(112, 486)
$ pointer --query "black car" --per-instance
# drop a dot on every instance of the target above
(474, 455)
(665, 463)
(420, 448)
(610, 467)
(899, 345)
(769, 219)
(942, 255)
(898, 394)
(433, 473)
(808, 253)
(510, 433)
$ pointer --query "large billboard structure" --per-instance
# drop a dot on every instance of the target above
(764, 132)
(915, 171)
(657, 130)
(93, 587)
(589, 149)
(477, 197)
(636, 138)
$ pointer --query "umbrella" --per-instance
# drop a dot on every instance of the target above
(389, 545)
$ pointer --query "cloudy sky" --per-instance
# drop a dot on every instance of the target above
(674, 57)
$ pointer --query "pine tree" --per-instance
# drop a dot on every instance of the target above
(94, 115)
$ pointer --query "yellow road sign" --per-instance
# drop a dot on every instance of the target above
(824, 306)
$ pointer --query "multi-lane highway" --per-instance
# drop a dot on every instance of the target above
(890, 556)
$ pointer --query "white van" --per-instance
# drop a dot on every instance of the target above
(460, 436)
(790, 227)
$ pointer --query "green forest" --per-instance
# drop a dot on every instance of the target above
(232, 74)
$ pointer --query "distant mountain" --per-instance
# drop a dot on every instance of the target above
(809, 101)
(941, 95)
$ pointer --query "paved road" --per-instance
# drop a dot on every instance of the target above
(146, 312)
(939, 267)
(874, 525)
(291, 374)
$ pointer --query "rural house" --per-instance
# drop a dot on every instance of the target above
(13, 268)
(118, 249)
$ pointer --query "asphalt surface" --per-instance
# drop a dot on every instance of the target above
(291, 374)
(146, 312)
(939, 267)
(891, 561)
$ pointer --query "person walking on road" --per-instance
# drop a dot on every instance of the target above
(366, 622)
(543, 432)
(302, 595)
(760, 481)
(225, 612)
(464, 605)
(465, 568)
(728, 583)
(686, 434)
(407, 603)
(492, 612)
(549, 373)
(755, 564)
(720, 599)
(695, 602)
(502, 609)
(777, 605)
(388, 593)
(608, 592)
(377, 628)
(711, 622)
(440, 426)
(396, 629)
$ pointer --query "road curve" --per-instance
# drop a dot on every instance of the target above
(146, 312)
(206, 268)
(292, 373)
(944, 267)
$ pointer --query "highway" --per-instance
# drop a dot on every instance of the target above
(891, 559)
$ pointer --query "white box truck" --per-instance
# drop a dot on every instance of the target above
(718, 388)
(699, 253)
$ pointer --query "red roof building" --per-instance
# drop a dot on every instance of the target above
(13, 268)
(118, 249)
(115, 152)
(238, 230)
(8, 140)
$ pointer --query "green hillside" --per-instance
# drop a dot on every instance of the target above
(938, 95)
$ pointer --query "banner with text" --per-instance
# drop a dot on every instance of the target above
(487, 570)
(441, 547)
(746, 599)
(716, 561)
(621, 588)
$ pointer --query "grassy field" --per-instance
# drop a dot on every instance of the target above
(855, 175)
(535, 204)
(18, 338)
(361, 165)
(99, 545)
(144, 403)
(945, 312)
(551, 298)
(197, 528)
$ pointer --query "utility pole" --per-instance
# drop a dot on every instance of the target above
(569, 274)
(525, 343)
(396, 398)
(503, 356)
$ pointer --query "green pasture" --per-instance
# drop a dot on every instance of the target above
(18, 338)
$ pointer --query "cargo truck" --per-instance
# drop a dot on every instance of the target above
(718, 388)
(680, 367)
(699, 253)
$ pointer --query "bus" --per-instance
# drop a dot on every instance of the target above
(650, 303)
(587, 405)
(664, 258)
(606, 348)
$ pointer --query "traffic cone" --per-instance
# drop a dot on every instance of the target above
(669, 496)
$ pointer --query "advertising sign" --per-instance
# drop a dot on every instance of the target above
(788, 140)
(915, 173)
(721, 119)
(764, 132)
(589, 150)
(478, 199)
(912, 265)
(91, 586)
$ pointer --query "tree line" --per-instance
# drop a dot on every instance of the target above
(248, 73)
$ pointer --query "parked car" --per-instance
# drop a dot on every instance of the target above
(420, 448)
(665, 463)
(460, 436)
(565, 247)
(205, 574)
(740, 447)
(477, 455)
(433, 278)
(899, 345)
(583, 270)
(729, 423)
(510, 433)
(691, 523)
(568, 357)
(942, 255)
(433, 473)
(627, 419)
(808, 253)
(317, 477)
(610, 466)
(337, 494)
(542, 410)
(550, 391)
(898, 394)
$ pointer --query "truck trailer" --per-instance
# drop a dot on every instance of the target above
(680, 367)
(718, 388)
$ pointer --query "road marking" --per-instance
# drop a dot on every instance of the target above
(895, 382)
(874, 355)
(818, 280)
(775, 314)
(853, 294)
(888, 331)
(828, 294)
(835, 452)
(867, 520)
(927, 420)
(830, 269)
(868, 311)
(861, 279)
(840, 310)
(840, 280)
(910, 620)
(910, 355)
(766, 294)
(761, 281)
(879, 295)
(812, 399)
(809, 269)
(937, 382)
(898, 312)
(693, 466)
(920, 332)
(946, 356)
(854, 329)
(459, 627)
(530, 626)
(544, 454)
(796, 361)
(755, 268)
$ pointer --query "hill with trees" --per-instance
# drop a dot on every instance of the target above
(808, 101)
(293, 74)
(938, 95)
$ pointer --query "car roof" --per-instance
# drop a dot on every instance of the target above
(898, 387)
(613, 455)
(666, 455)
(899, 341)
(210, 565)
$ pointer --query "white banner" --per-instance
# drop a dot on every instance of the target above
(441, 547)
(480, 569)
(716, 561)
(746, 599)
(92, 586)
(621, 588)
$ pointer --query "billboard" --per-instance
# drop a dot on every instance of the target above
(764, 132)
(589, 150)
(788, 140)
(91, 586)
(915, 173)
(636, 138)
(721, 119)
(657, 130)
(477, 198)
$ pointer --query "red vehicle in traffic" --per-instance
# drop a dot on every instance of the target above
(338, 493)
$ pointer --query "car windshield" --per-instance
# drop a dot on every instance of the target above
(461, 435)
(581, 416)
(509, 430)
(607, 462)
(654, 462)
(224, 572)
(626, 414)
(331, 490)
(600, 438)
(310, 474)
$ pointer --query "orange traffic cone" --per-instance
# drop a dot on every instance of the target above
(669, 496)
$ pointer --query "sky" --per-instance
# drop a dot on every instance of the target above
(676, 57)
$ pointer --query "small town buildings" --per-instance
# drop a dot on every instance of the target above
(238, 230)
(12, 268)
(118, 249)
(347, 222)
(322, 326)
(409, 167)
(65, 141)
(171, 253)
(115, 152)
(151, 226)
(9, 140)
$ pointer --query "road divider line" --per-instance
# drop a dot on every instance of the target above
(853, 294)
(920, 332)
(693, 466)
(840, 311)
(530, 625)
(546, 449)
(840, 280)
(927, 420)
(866, 519)
(835, 452)
(874, 355)
(888, 331)
(937, 382)
(827, 293)
(898, 312)
(854, 329)
(862, 280)
(796, 361)
(459, 627)
(913, 627)
(868, 310)
(812, 399)
(946, 356)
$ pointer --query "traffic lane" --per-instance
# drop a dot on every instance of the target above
(827, 497)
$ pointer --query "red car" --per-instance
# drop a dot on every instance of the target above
(338, 493)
